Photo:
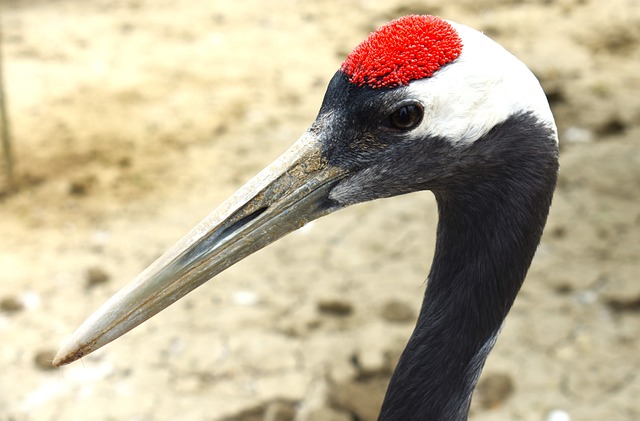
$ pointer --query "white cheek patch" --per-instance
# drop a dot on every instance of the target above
(483, 87)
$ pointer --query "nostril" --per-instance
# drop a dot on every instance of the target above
(207, 243)
(240, 222)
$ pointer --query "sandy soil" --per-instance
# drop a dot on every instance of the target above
(132, 120)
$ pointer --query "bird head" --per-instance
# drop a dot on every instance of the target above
(404, 112)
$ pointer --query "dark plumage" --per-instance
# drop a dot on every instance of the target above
(490, 222)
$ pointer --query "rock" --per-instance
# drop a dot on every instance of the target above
(11, 304)
(82, 186)
(246, 298)
(96, 276)
(575, 134)
(397, 311)
(612, 126)
(493, 390)
(370, 362)
(624, 305)
(335, 306)
(621, 292)
(558, 415)
(43, 359)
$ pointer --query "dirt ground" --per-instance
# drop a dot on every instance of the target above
(133, 119)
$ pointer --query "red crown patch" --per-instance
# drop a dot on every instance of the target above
(406, 49)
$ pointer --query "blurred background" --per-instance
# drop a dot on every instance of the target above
(132, 120)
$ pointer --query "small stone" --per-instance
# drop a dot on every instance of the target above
(577, 135)
(44, 358)
(493, 390)
(558, 232)
(246, 298)
(11, 305)
(96, 276)
(562, 289)
(370, 362)
(397, 312)
(335, 306)
(613, 126)
(124, 162)
(621, 293)
(558, 415)
(82, 186)
(624, 305)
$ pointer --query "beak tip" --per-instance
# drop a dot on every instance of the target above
(69, 352)
(58, 360)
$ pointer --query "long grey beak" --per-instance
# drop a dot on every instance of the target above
(283, 197)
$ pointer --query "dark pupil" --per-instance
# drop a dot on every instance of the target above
(406, 117)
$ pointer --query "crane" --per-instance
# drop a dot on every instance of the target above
(421, 104)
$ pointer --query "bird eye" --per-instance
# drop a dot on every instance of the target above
(406, 117)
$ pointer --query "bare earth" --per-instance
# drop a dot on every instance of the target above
(132, 120)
